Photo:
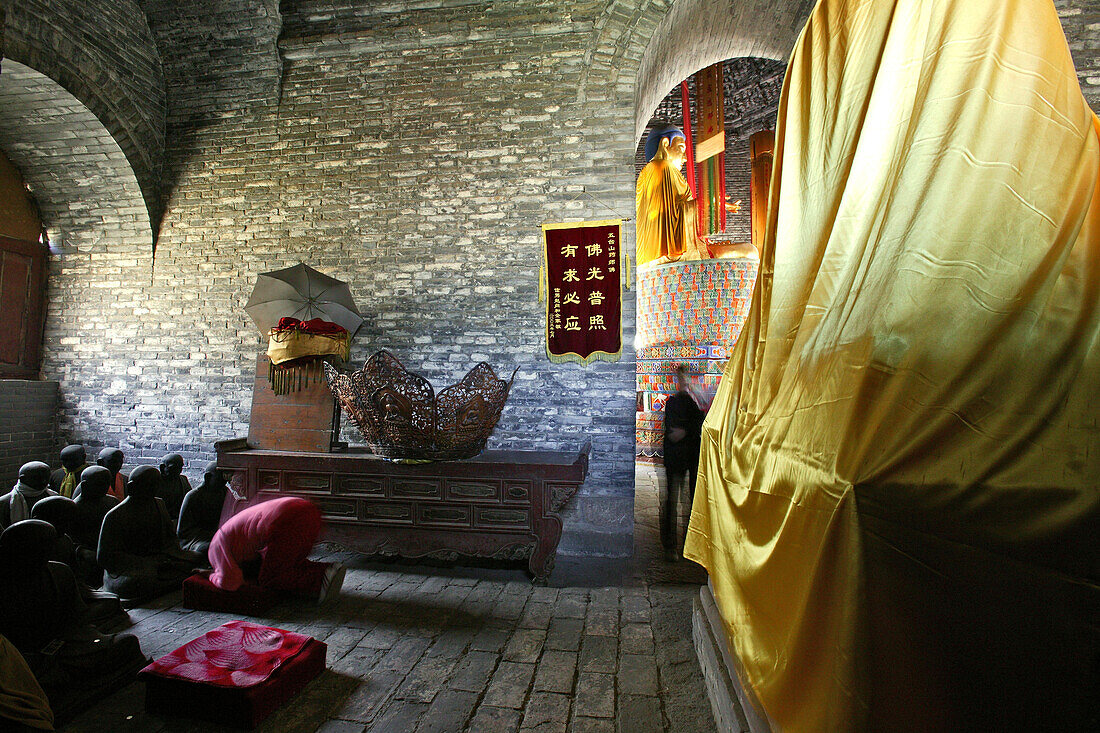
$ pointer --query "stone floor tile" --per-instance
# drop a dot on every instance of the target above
(635, 609)
(599, 653)
(595, 697)
(544, 594)
(536, 615)
(525, 645)
(637, 675)
(509, 606)
(592, 725)
(556, 671)
(474, 671)
(381, 637)
(638, 714)
(546, 712)
(400, 716)
(427, 678)
(448, 712)
(572, 603)
(565, 634)
(341, 726)
(371, 696)
(509, 686)
(452, 641)
(357, 662)
(489, 719)
(602, 622)
(636, 639)
(490, 639)
(403, 655)
(605, 597)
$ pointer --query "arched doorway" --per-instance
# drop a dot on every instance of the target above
(690, 311)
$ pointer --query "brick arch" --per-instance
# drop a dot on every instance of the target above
(697, 33)
(102, 53)
(78, 174)
(95, 215)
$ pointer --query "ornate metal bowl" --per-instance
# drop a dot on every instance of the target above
(401, 417)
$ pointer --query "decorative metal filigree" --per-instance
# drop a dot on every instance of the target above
(401, 417)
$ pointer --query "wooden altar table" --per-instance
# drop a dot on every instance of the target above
(501, 505)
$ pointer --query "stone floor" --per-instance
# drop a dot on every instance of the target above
(606, 647)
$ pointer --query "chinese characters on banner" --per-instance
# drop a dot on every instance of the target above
(583, 296)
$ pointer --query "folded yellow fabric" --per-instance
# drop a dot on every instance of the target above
(927, 316)
(289, 345)
(21, 697)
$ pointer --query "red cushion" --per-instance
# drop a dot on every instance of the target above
(237, 674)
(250, 599)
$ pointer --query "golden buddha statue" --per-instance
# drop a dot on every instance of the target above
(664, 204)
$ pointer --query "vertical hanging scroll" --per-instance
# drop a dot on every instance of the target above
(710, 150)
(583, 291)
(760, 158)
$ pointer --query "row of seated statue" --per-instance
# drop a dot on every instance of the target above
(69, 566)
(137, 547)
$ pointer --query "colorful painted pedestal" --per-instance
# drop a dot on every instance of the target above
(688, 313)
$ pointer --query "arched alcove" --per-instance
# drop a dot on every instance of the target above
(98, 225)
(76, 171)
(102, 53)
(698, 33)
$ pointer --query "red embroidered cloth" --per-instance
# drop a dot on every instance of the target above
(236, 654)
(314, 326)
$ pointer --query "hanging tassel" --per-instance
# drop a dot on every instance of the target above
(542, 275)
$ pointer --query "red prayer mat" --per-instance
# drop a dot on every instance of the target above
(202, 595)
(237, 654)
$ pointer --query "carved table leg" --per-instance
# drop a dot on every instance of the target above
(541, 564)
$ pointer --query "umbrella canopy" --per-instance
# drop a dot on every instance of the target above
(303, 293)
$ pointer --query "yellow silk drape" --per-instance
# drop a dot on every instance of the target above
(21, 697)
(914, 398)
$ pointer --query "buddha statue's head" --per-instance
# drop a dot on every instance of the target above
(73, 457)
(59, 511)
(94, 483)
(666, 142)
(34, 475)
(143, 483)
(26, 545)
(212, 478)
(111, 459)
(171, 466)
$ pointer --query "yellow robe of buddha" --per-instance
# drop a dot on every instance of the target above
(665, 213)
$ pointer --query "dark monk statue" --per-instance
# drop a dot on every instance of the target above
(92, 504)
(202, 511)
(42, 614)
(33, 484)
(112, 459)
(173, 484)
(138, 549)
(103, 609)
(65, 479)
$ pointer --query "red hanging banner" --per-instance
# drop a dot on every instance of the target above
(583, 291)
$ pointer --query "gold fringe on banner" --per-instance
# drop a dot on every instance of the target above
(294, 376)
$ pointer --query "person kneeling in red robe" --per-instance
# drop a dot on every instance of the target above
(279, 534)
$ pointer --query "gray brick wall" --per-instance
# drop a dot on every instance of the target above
(28, 426)
(219, 57)
(1081, 21)
(103, 53)
(415, 149)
